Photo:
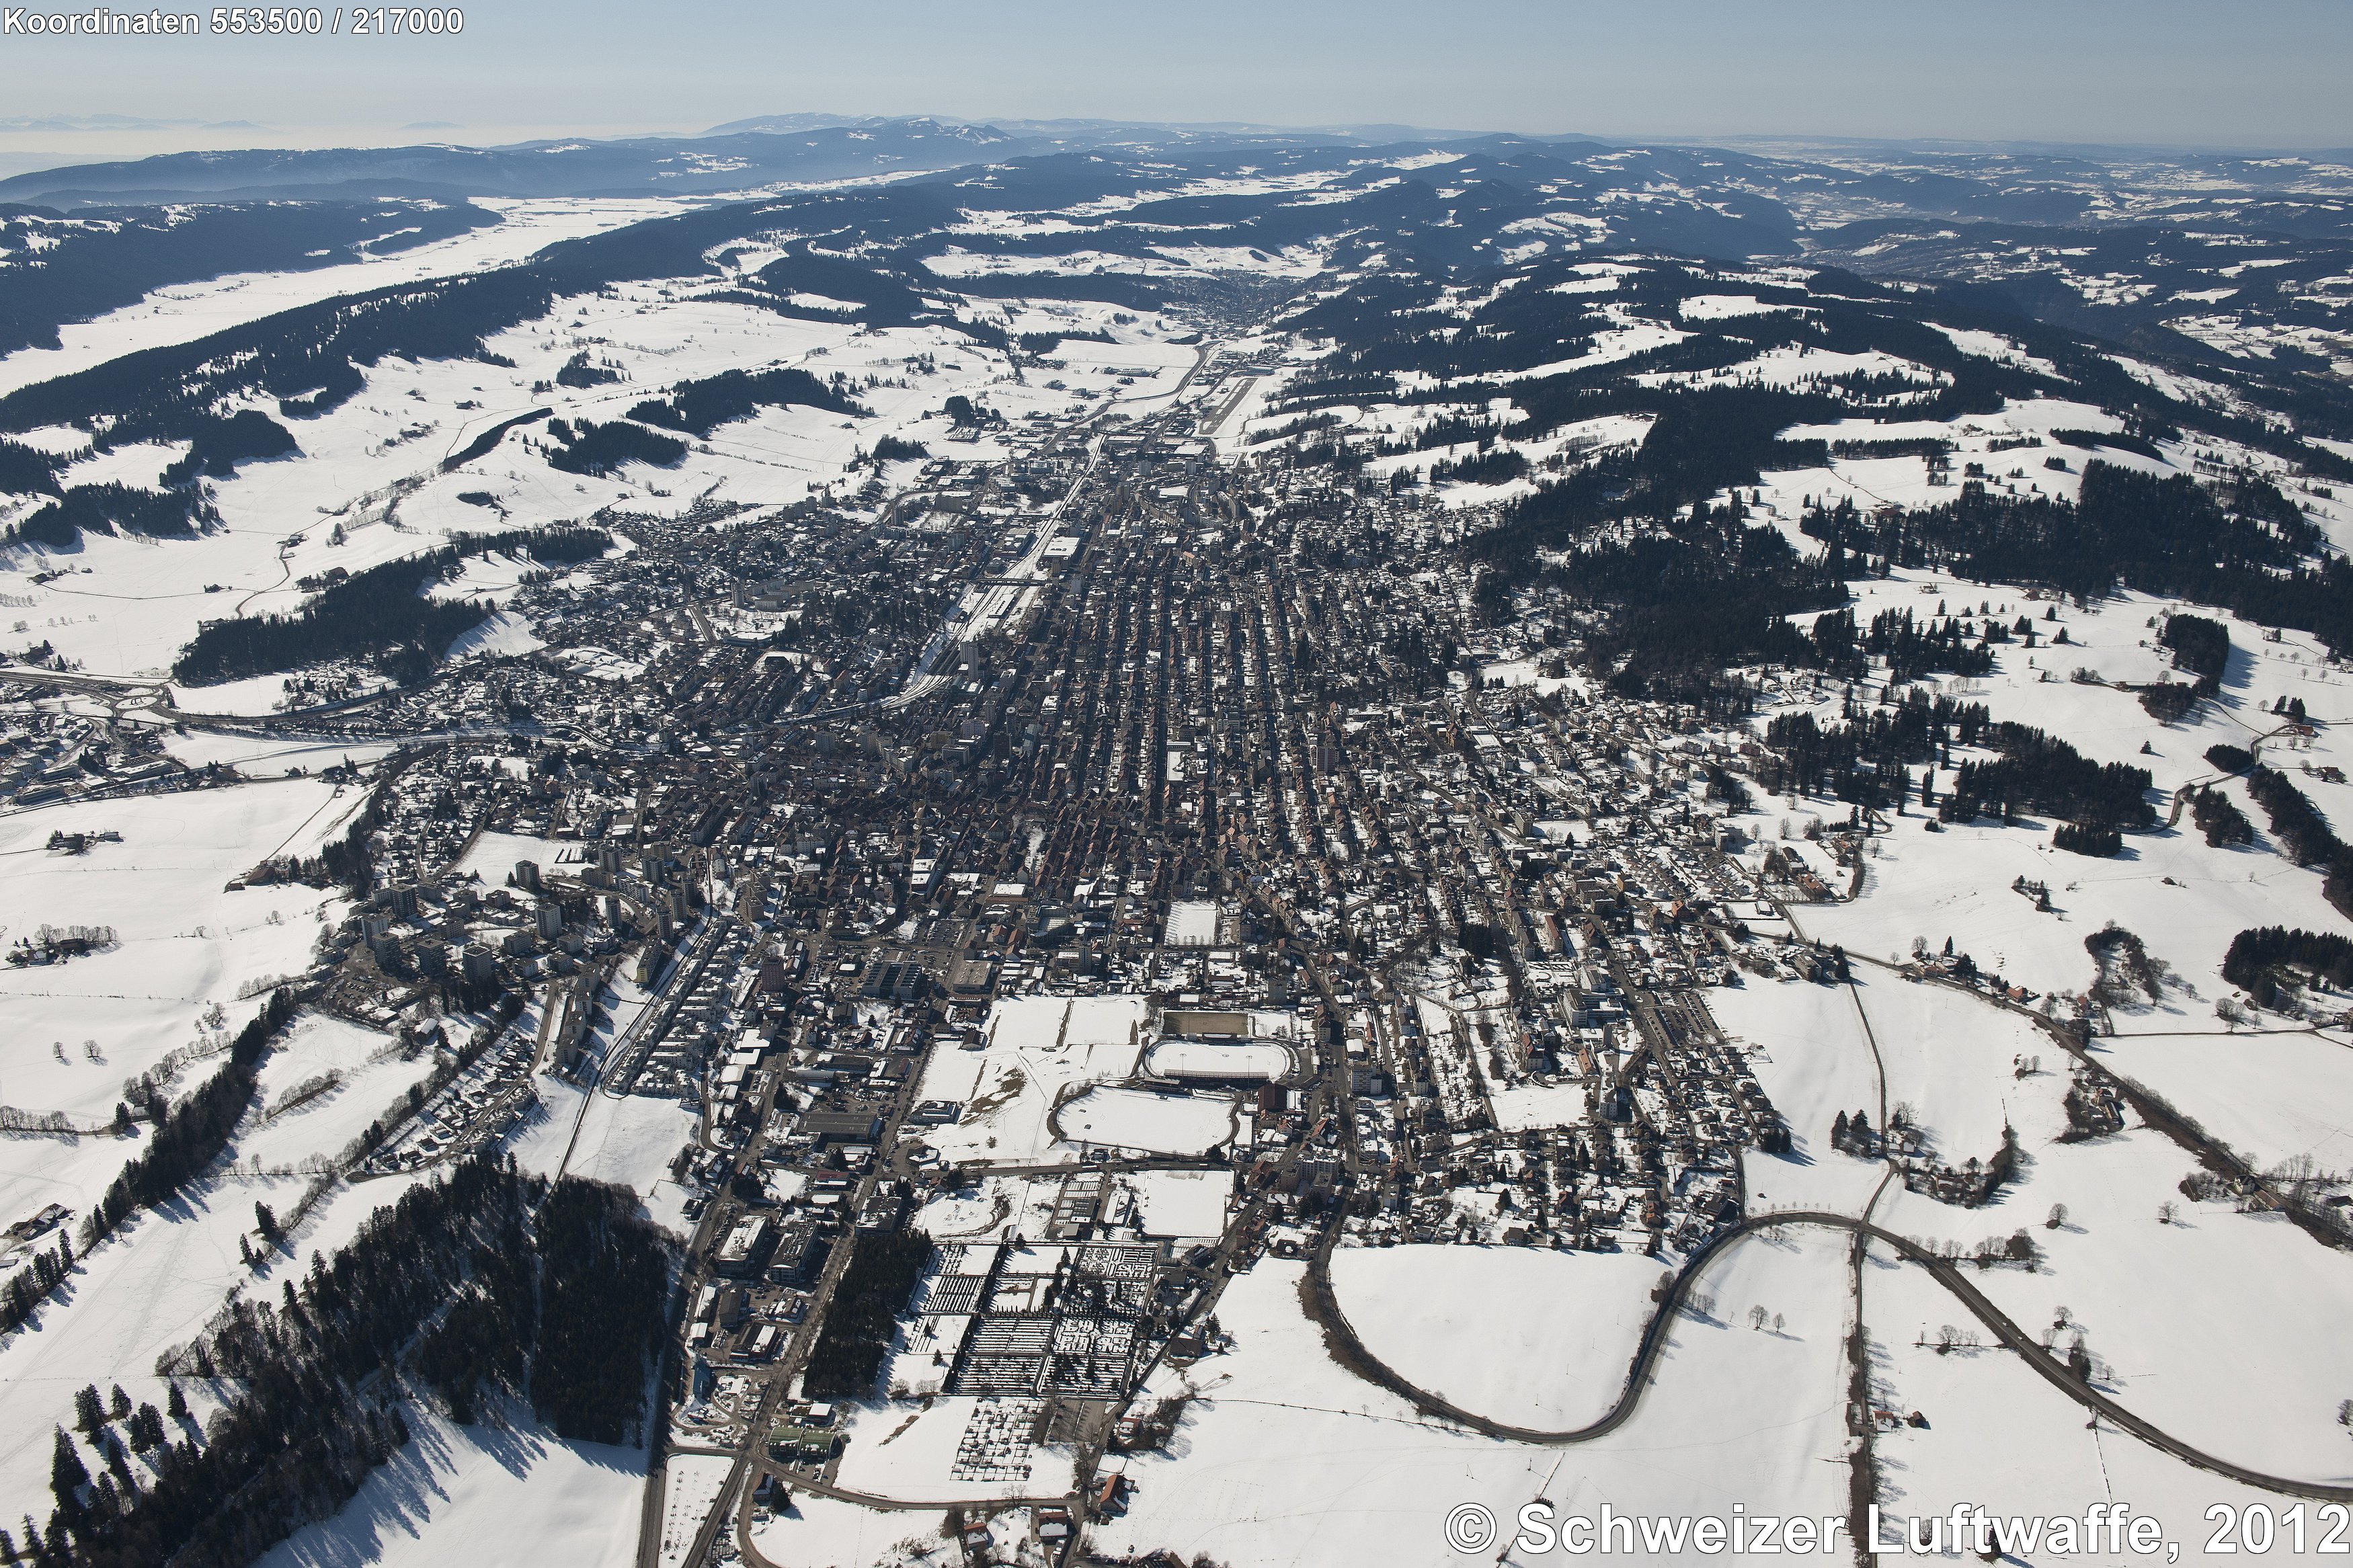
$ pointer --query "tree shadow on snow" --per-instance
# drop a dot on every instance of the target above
(512, 1450)
(397, 1499)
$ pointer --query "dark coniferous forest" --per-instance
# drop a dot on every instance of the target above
(872, 1292)
(701, 407)
(2259, 960)
(556, 1295)
(371, 614)
(589, 448)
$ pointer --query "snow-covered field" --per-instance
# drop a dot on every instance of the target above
(511, 1493)
(1282, 1457)
(1807, 1047)
(372, 1074)
(819, 1532)
(74, 1030)
(1535, 1339)
(502, 636)
(1035, 1050)
(1954, 1059)
(1519, 1106)
(2184, 898)
(493, 857)
(1155, 1124)
(2272, 1098)
(892, 1451)
(1192, 922)
(271, 756)
(630, 1141)
(690, 1484)
(2221, 1328)
(163, 1273)
(1996, 1434)
(1180, 1203)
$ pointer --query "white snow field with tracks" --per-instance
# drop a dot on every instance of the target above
(1034, 1050)
(512, 1492)
(182, 943)
(1157, 1123)
(1288, 1457)
(1539, 1340)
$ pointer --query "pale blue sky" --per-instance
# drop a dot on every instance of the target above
(2225, 73)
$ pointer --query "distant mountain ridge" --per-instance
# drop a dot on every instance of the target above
(741, 156)
(706, 165)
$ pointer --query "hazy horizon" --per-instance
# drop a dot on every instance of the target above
(2172, 74)
(27, 149)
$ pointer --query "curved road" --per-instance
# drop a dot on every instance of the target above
(1324, 1308)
